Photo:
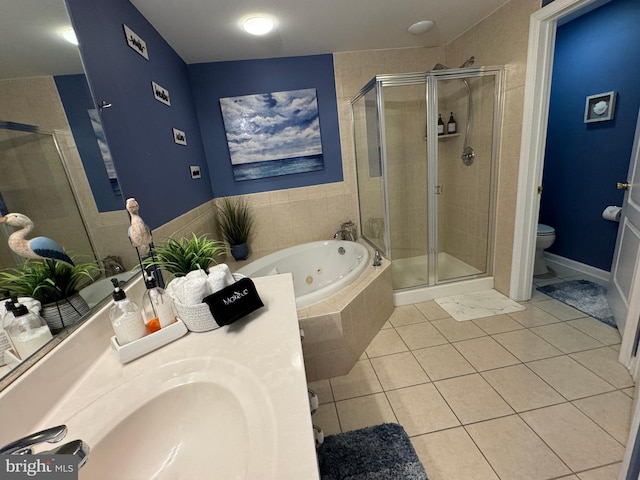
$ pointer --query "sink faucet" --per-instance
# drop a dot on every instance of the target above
(24, 446)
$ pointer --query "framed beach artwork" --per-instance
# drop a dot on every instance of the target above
(273, 134)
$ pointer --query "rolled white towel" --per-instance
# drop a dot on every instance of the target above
(195, 288)
(175, 290)
(216, 280)
(223, 267)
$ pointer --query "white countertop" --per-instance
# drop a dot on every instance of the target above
(257, 360)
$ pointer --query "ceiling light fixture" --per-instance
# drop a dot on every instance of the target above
(69, 35)
(258, 25)
(421, 27)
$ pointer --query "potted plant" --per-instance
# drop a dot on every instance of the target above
(235, 220)
(181, 256)
(55, 285)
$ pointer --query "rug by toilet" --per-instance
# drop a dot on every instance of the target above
(583, 295)
(383, 452)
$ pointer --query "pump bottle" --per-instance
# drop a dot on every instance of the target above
(452, 127)
(27, 330)
(125, 316)
(157, 306)
(440, 125)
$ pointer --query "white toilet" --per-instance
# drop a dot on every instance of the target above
(544, 239)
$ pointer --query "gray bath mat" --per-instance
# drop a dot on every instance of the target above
(583, 295)
(383, 452)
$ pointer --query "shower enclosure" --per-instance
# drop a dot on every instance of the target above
(34, 182)
(427, 200)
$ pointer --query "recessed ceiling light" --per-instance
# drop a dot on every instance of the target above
(258, 25)
(421, 27)
(69, 35)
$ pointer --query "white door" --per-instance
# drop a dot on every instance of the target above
(624, 287)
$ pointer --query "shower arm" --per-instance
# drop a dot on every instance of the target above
(468, 155)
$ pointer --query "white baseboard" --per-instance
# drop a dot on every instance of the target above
(595, 274)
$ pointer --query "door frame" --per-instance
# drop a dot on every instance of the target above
(542, 39)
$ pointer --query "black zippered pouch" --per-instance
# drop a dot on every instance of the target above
(233, 302)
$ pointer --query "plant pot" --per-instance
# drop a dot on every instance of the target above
(63, 313)
(240, 252)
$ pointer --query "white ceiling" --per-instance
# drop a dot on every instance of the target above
(209, 31)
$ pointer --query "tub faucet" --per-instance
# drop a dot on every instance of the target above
(24, 446)
(343, 235)
(112, 265)
(377, 259)
(347, 232)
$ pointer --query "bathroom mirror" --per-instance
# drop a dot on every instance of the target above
(43, 174)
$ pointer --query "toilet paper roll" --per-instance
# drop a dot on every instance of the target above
(612, 213)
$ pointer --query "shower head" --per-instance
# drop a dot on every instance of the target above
(470, 61)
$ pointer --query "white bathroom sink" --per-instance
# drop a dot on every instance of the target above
(230, 403)
(97, 291)
(194, 424)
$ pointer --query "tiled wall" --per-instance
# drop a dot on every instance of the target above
(406, 147)
(502, 39)
(466, 194)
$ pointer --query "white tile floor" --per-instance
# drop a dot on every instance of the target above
(536, 394)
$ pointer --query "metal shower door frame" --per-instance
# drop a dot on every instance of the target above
(432, 149)
(430, 79)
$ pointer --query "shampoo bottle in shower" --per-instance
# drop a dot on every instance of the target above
(451, 125)
(440, 125)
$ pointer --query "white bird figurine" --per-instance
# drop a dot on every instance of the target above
(37, 247)
(139, 232)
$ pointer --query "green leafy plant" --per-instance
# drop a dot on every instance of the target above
(181, 256)
(47, 280)
(235, 220)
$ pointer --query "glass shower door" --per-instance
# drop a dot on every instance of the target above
(405, 148)
(465, 175)
(369, 169)
(34, 182)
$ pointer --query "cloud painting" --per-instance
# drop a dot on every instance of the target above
(272, 134)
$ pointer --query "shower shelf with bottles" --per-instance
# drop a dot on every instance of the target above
(442, 137)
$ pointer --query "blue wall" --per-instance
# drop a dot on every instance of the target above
(212, 81)
(595, 53)
(76, 99)
(151, 166)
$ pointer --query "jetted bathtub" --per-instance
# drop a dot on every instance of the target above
(319, 269)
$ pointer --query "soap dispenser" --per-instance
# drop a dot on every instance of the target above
(27, 330)
(126, 318)
(157, 306)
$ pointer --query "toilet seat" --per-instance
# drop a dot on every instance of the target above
(544, 230)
